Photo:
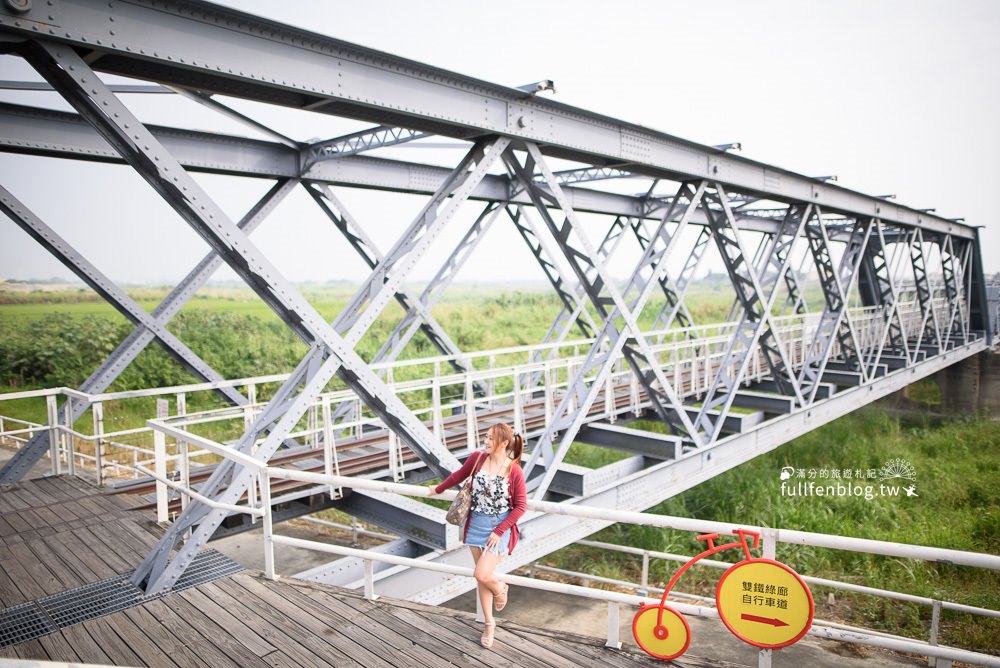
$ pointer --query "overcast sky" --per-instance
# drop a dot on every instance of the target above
(892, 97)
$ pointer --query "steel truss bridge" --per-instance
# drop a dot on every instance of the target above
(839, 298)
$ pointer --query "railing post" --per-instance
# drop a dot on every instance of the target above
(436, 417)
(645, 574)
(518, 402)
(97, 412)
(471, 428)
(69, 441)
(613, 640)
(264, 482)
(160, 466)
(491, 383)
(331, 465)
(935, 625)
(370, 580)
(53, 417)
(549, 390)
(609, 399)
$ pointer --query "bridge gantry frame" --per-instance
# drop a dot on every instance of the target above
(858, 245)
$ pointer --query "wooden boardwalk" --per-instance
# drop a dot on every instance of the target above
(61, 533)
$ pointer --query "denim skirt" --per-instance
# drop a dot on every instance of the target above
(481, 526)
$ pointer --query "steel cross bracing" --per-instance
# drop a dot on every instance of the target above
(755, 329)
(589, 174)
(665, 318)
(331, 352)
(929, 326)
(879, 272)
(619, 326)
(574, 310)
(369, 252)
(148, 326)
(954, 263)
(566, 318)
(358, 142)
(675, 303)
(835, 322)
(762, 256)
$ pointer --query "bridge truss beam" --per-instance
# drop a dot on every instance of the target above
(192, 49)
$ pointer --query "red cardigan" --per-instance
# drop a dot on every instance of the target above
(515, 483)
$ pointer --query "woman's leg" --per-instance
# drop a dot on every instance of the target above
(485, 597)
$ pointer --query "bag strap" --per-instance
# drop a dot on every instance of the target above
(475, 469)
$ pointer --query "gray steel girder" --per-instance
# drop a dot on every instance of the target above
(755, 329)
(36, 131)
(67, 72)
(665, 318)
(929, 321)
(203, 47)
(878, 280)
(835, 321)
(619, 317)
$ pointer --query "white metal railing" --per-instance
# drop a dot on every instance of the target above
(770, 537)
(691, 363)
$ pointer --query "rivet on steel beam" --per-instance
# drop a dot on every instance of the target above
(19, 6)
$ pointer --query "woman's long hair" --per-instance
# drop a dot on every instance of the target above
(515, 443)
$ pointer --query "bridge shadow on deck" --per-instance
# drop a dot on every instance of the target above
(60, 534)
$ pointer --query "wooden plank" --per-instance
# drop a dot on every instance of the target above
(167, 643)
(146, 534)
(109, 536)
(114, 561)
(5, 528)
(95, 562)
(469, 631)
(187, 630)
(18, 522)
(466, 638)
(330, 632)
(213, 632)
(28, 588)
(279, 659)
(42, 576)
(316, 643)
(9, 592)
(361, 628)
(124, 643)
(74, 566)
(225, 620)
(84, 644)
(55, 564)
(377, 612)
(58, 648)
(30, 649)
(294, 642)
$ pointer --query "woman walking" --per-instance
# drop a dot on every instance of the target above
(499, 498)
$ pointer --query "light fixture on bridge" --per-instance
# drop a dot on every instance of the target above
(886, 196)
(832, 177)
(927, 210)
(735, 146)
(539, 86)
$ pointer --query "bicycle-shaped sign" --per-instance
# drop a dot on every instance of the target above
(761, 601)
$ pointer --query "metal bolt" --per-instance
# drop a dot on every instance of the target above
(19, 6)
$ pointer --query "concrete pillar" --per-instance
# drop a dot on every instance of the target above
(960, 385)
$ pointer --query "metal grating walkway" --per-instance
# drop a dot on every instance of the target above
(34, 619)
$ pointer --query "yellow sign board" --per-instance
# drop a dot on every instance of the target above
(764, 603)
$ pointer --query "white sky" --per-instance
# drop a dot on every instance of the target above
(893, 97)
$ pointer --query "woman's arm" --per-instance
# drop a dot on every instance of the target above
(459, 475)
(518, 499)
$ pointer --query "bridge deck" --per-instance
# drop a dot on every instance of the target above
(57, 534)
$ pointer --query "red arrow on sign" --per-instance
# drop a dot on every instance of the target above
(773, 621)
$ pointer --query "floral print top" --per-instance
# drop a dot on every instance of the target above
(490, 494)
